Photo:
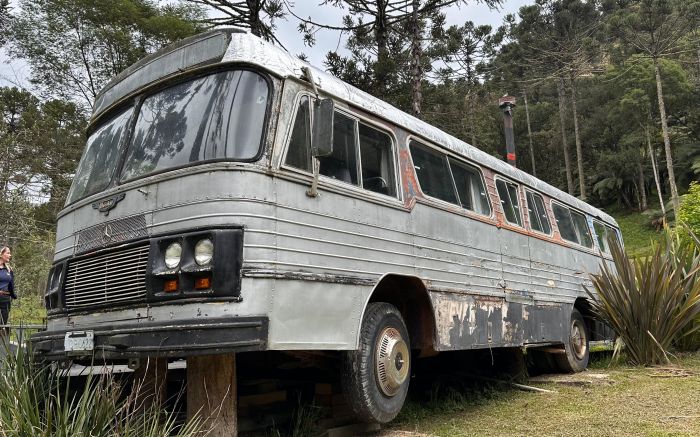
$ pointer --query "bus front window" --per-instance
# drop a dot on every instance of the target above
(218, 116)
(100, 158)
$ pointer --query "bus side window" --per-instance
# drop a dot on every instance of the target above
(538, 216)
(601, 233)
(582, 229)
(342, 163)
(470, 187)
(377, 161)
(612, 233)
(299, 151)
(565, 223)
(508, 193)
(433, 173)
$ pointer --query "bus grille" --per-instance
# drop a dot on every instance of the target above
(114, 277)
(111, 232)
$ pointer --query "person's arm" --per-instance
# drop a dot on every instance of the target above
(11, 285)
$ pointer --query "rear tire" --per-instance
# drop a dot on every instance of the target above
(577, 352)
(375, 377)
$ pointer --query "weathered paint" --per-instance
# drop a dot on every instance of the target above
(468, 322)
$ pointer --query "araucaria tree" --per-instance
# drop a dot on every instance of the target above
(655, 29)
(258, 16)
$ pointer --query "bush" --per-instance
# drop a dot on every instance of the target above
(688, 217)
(687, 231)
(651, 301)
(35, 400)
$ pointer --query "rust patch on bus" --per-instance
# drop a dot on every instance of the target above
(470, 321)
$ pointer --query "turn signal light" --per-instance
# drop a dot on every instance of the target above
(202, 283)
(170, 286)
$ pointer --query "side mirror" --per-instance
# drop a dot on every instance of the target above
(322, 133)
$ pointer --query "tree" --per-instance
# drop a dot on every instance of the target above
(465, 51)
(74, 47)
(257, 15)
(385, 29)
(557, 38)
(4, 20)
(41, 144)
(654, 29)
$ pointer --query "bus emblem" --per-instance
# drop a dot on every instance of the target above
(105, 205)
(107, 233)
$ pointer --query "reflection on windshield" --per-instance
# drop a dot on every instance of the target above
(216, 116)
(100, 158)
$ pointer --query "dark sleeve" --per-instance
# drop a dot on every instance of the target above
(11, 285)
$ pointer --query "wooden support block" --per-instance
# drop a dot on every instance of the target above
(324, 389)
(148, 388)
(262, 399)
(212, 392)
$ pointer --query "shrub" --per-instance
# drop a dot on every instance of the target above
(650, 301)
(36, 400)
(688, 217)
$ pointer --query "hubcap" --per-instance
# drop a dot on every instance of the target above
(392, 359)
(578, 339)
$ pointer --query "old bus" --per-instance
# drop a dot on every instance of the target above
(232, 198)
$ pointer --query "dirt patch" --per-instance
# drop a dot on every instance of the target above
(576, 379)
(397, 433)
(672, 372)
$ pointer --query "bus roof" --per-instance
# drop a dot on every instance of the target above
(233, 45)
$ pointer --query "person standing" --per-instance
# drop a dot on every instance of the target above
(7, 287)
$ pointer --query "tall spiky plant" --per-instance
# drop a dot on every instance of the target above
(649, 301)
(37, 400)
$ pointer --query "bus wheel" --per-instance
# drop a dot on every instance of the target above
(375, 377)
(576, 357)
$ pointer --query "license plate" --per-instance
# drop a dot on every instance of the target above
(79, 341)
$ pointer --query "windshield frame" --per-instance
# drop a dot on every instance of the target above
(136, 100)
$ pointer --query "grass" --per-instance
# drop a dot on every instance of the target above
(637, 232)
(28, 309)
(633, 401)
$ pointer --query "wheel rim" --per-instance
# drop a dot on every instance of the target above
(392, 361)
(577, 338)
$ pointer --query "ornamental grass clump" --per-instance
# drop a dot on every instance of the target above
(37, 400)
(649, 302)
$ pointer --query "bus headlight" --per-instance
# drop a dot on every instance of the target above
(173, 254)
(203, 251)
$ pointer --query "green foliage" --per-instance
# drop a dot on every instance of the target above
(638, 234)
(689, 211)
(36, 400)
(76, 46)
(41, 144)
(649, 301)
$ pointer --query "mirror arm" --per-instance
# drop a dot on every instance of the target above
(313, 191)
(310, 77)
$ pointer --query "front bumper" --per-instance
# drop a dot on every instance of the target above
(165, 339)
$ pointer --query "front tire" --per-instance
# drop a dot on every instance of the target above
(575, 358)
(375, 377)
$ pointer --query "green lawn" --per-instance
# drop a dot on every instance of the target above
(627, 401)
(636, 232)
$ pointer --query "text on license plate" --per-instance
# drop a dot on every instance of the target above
(79, 341)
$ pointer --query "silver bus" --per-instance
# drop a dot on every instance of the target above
(232, 198)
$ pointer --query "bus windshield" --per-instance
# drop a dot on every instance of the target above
(217, 116)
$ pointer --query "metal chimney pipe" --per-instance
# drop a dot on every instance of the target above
(507, 103)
